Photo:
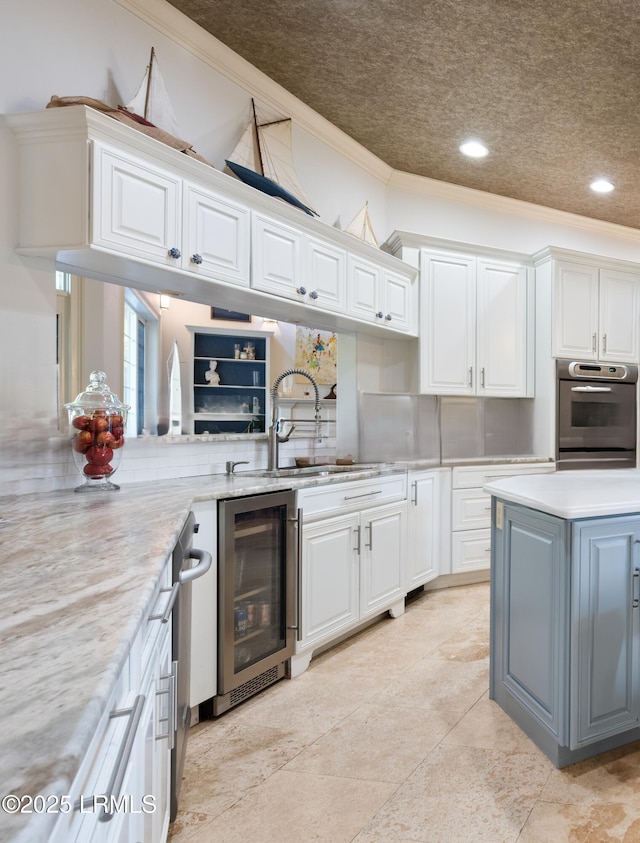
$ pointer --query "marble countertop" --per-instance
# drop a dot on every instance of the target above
(574, 494)
(78, 573)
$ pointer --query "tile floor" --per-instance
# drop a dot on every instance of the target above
(391, 736)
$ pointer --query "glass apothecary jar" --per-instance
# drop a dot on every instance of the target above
(96, 422)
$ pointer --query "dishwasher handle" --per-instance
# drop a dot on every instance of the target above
(205, 560)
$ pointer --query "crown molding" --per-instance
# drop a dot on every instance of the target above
(180, 29)
(507, 205)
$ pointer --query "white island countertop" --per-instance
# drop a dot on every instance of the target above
(574, 494)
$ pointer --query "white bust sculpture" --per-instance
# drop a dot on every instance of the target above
(212, 377)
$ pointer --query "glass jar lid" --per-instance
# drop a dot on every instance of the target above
(97, 396)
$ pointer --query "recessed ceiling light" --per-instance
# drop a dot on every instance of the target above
(602, 186)
(474, 149)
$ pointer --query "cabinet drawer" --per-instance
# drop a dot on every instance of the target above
(469, 477)
(470, 509)
(470, 550)
(152, 624)
(321, 501)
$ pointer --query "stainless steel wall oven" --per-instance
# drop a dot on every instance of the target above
(596, 415)
(257, 593)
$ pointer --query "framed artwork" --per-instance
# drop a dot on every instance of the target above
(232, 315)
(317, 353)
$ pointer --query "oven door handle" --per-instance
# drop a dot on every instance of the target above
(590, 389)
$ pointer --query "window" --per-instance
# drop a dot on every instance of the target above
(139, 387)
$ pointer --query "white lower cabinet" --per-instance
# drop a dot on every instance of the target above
(127, 767)
(427, 509)
(471, 511)
(353, 559)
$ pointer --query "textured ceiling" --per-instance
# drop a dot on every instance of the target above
(551, 86)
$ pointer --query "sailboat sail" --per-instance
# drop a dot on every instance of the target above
(263, 158)
(360, 226)
(151, 100)
(175, 393)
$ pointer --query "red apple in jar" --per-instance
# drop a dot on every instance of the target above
(81, 441)
(105, 438)
(97, 470)
(99, 455)
(81, 422)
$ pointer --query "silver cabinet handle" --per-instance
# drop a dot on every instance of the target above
(198, 570)
(482, 377)
(369, 526)
(470, 375)
(589, 388)
(358, 531)
(364, 495)
(594, 339)
(636, 584)
(172, 711)
(604, 343)
(414, 499)
(122, 760)
(166, 615)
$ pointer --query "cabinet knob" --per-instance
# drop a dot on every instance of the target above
(313, 294)
(174, 253)
(302, 291)
(388, 317)
(197, 259)
(380, 314)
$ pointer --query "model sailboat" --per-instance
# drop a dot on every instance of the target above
(263, 159)
(360, 226)
(151, 100)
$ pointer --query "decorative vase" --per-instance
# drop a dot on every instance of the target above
(96, 420)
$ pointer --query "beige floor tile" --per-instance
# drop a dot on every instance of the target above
(611, 823)
(486, 726)
(471, 643)
(373, 656)
(608, 778)
(462, 795)
(291, 807)
(438, 684)
(379, 743)
(313, 702)
(226, 761)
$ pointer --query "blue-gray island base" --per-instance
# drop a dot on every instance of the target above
(565, 624)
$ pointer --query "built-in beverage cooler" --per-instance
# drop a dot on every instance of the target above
(257, 593)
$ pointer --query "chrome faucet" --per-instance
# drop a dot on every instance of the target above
(275, 436)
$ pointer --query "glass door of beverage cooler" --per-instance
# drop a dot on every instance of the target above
(257, 594)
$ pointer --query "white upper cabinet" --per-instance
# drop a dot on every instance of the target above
(216, 236)
(105, 201)
(143, 210)
(596, 312)
(378, 295)
(475, 337)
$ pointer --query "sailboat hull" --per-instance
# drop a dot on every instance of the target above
(271, 188)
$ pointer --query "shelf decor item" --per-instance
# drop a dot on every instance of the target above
(96, 420)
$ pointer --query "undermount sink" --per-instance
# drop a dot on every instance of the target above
(306, 471)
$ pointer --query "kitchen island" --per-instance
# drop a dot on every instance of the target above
(565, 609)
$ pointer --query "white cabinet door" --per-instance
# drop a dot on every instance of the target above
(363, 285)
(329, 578)
(501, 356)
(575, 311)
(216, 236)
(277, 258)
(383, 554)
(619, 336)
(136, 207)
(470, 551)
(448, 324)
(423, 525)
(396, 300)
(326, 274)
